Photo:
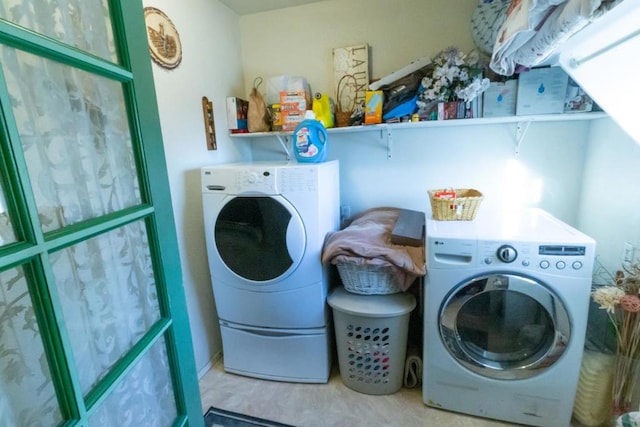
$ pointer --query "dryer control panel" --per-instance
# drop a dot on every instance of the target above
(262, 180)
(531, 241)
(570, 260)
(239, 180)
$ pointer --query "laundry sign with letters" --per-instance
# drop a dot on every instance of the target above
(352, 62)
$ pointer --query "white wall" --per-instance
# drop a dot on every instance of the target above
(211, 66)
(299, 40)
(611, 193)
(481, 157)
(585, 169)
(224, 52)
(547, 173)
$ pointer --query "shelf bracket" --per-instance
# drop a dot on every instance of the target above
(284, 142)
(387, 135)
(521, 131)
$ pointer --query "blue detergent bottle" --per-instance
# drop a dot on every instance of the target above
(310, 140)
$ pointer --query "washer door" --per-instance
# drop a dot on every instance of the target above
(261, 238)
(504, 326)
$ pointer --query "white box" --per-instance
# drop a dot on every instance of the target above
(542, 91)
(500, 99)
(237, 109)
(404, 71)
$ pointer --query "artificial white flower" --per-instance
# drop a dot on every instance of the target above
(439, 72)
(475, 88)
(452, 73)
(426, 82)
(473, 57)
(453, 76)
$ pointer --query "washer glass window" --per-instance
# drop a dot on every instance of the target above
(504, 326)
(251, 238)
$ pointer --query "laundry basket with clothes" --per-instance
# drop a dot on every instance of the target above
(368, 262)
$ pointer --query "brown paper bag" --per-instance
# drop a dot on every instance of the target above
(258, 115)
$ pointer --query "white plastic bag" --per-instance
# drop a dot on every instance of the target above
(286, 83)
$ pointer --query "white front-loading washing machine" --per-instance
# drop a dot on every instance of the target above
(506, 305)
(265, 226)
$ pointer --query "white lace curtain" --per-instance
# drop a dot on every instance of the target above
(76, 141)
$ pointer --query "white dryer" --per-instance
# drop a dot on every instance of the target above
(506, 305)
(265, 225)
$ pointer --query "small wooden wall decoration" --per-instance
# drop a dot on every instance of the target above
(352, 61)
(163, 38)
(209, 125)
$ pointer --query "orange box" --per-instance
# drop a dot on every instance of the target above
(292, 108)
(291, 119)
(373, 107)
(296, 100)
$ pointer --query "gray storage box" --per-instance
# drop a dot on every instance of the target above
(371, 339)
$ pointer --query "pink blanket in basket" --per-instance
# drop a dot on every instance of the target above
(367, 241)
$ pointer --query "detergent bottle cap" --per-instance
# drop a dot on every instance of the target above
(309, 115)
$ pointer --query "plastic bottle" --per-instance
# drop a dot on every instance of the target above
(323, 109)
(310, 140)
(276, 118)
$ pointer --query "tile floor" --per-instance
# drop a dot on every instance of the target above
(325, 405)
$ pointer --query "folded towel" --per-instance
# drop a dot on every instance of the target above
(412, 368)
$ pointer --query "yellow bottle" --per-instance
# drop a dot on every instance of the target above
(323, 109)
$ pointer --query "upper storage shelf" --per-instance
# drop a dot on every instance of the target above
(386, 129)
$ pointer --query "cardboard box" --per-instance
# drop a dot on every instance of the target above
(296, 100)
(542, 91)
(292, 108)
(237, 109)
(499, 99)
(291, 119)
(373, 106)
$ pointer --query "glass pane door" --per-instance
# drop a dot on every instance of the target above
(85, 24)
(75, 137)
(7, 233)
(93, 329)
(28, 394)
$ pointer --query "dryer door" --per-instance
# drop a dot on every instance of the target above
(259, 238)
(504, 326)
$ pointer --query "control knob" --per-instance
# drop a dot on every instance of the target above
(252, 178)
(507, 253)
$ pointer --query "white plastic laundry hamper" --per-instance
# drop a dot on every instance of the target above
(371, 339)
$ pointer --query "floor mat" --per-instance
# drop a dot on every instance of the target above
(220, 418)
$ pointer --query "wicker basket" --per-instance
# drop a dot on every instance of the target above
(368, 279)
(462, 207)
(343, 118)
